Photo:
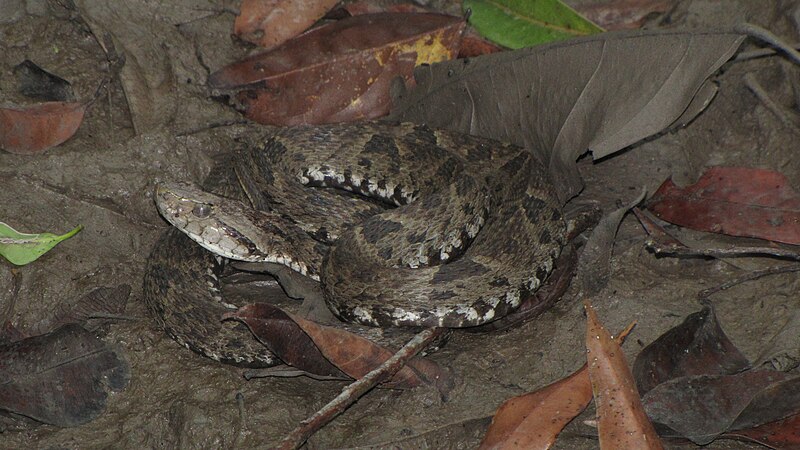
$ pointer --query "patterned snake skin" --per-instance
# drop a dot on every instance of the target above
(474, 227)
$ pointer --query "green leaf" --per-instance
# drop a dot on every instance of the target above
(22, 248)
(524, 23)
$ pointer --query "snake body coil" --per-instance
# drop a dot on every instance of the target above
(475, 226)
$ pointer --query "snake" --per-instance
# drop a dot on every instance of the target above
(401, 224)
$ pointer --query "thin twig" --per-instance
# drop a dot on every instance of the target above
(211, 126)
(759, 53)
(753, 84)
(759, 33)
(237, 434)
(288, 372)
(754, 275)
(731, 252)
(352, 392)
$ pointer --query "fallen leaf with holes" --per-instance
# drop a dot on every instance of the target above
(338, 72)
(696, 346)
(737, 201)
(621, 420)
(272, 22)
(329, 351)
(60, 378)
(33, 129)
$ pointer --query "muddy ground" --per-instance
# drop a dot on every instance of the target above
(103, 178)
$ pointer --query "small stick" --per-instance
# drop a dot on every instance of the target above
(352, 392)
(288, 372)
(757, 32)
(754, 275)
(731, 252)
(754, 86)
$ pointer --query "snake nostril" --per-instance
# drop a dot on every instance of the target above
(202, 211)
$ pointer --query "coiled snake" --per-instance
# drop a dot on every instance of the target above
(475, 226)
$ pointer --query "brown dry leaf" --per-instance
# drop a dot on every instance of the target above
(33, 129)
(269, 23)
(533, 420)
(357, 356)
(338, 72)
(325, 350)
(621, 420)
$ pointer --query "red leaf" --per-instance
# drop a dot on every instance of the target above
(271, 23)
(781, 434)
(36, 128)
(339, 72)
(737, 201)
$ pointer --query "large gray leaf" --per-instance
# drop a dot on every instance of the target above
(600, 93)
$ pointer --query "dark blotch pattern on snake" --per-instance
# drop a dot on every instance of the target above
(473, 226)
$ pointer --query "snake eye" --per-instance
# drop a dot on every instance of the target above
(201, 211)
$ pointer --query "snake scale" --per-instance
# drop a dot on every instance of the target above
(403, 225)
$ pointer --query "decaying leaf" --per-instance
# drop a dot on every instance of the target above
(737, 201)
(621, 420)
(614, 89)
(698, 346)
(348, 352)
(23, 248)
(338, 72)
(702, 407)
(517, 24)
(61, 378)
(270, 23)
(36, 128)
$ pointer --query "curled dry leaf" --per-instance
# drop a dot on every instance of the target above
(269, 23)
(621, 420)
(36, 128)
(338, 72)
(329, 351)
(737, 201)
